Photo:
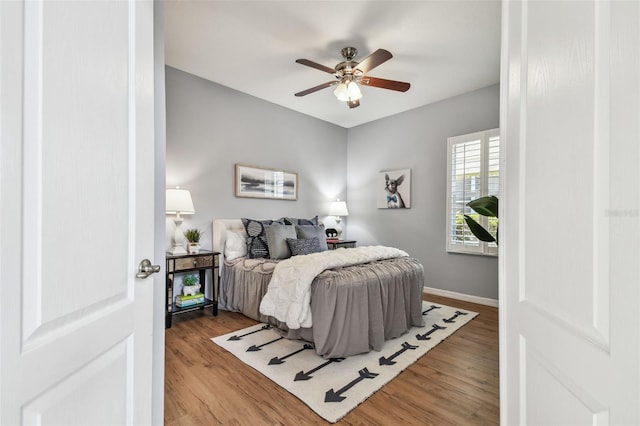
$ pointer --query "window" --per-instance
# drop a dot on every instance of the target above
(473, 171)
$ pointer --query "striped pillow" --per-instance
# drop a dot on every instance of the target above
(257, 245)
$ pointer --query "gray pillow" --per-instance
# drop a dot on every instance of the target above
(277, 240)
(300, 247)
(296, 221)
(306, 232)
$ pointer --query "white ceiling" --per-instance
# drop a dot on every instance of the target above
(443, 48)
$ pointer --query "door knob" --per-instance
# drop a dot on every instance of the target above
(146, 268)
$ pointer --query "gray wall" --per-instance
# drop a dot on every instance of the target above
(417, 139)
(211, 127)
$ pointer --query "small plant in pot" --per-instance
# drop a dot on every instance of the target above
(190, 285)
(193, 236)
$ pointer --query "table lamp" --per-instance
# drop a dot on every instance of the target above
(178, 202)
(338, 208)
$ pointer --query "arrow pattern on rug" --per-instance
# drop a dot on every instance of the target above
(390, 360)
(254, 348)
(336, 396)
(278, 361)
(430, 309)
(308, 375)
(425, 336)
(236, 337)
(453, 318)
(319, 382)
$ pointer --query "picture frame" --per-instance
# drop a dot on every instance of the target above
(262, 182)
(393, 189)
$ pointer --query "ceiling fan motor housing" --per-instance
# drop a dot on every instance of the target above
(347, 68)
(349, 53)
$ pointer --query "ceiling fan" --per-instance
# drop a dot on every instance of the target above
(349, 73)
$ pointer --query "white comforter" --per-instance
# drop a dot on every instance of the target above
(288, 297)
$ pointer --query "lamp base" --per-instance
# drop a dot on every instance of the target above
(178, 241)
(177, 250)
(338, 227)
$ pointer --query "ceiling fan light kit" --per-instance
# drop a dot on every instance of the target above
(347, 91)
(350, 73)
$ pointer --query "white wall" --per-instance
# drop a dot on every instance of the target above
(417, 139)
(211, 127)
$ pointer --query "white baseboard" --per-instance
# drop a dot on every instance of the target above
(461, 296)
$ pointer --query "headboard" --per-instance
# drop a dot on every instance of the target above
(220, 228)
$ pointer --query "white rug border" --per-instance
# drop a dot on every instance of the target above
(313, 396)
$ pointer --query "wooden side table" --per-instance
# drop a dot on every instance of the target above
(333, 244)
(201, 262)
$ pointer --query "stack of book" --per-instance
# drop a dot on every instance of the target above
(183, 301)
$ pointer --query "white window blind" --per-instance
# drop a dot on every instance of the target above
(473, 171)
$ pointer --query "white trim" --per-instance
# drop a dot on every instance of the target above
(461, 296)
(481, 140)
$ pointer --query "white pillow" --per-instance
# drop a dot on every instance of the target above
(235, 246)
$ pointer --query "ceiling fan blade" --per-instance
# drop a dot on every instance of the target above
(385, 84)
(315, 89)
(373, 60)
(316, 65)
(353, 104)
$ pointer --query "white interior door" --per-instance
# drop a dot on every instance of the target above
(570, 225)
(76, 192)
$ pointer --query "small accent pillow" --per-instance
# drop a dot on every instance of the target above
(257, 246)
(282, 221)
(277, 236)
(300, 247)
(235, 246)
(294, 221)
(310, 231)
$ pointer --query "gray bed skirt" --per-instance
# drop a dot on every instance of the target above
(354, 309)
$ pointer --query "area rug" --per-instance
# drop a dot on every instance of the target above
(333, 387)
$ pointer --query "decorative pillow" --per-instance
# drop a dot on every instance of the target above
(299, 247)
(256, 237)
(235, 246)
(294, 221)
(310, 231)
(277, 240)
(282, 221)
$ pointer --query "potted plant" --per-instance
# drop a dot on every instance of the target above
(193, 236)
(485, 206)
(190, 285)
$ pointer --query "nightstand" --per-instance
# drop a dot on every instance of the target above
(201, 262)
(333, 244)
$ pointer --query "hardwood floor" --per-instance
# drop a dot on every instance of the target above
(456, 383)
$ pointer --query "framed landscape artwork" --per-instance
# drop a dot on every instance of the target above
(260, 182)
(393, 189)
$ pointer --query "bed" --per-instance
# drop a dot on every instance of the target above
(354, 308)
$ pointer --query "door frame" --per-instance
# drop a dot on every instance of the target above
(160, 120)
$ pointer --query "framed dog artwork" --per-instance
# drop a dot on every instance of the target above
(393, 189)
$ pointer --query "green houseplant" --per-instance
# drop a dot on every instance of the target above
(190, 280)
(193, 236)
(485, 206)
(190, 284)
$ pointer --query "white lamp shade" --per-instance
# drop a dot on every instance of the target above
(338, 208)
(353, 91)
(341, 92)
(179, 202)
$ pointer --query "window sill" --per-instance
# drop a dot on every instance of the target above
(475, 253)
